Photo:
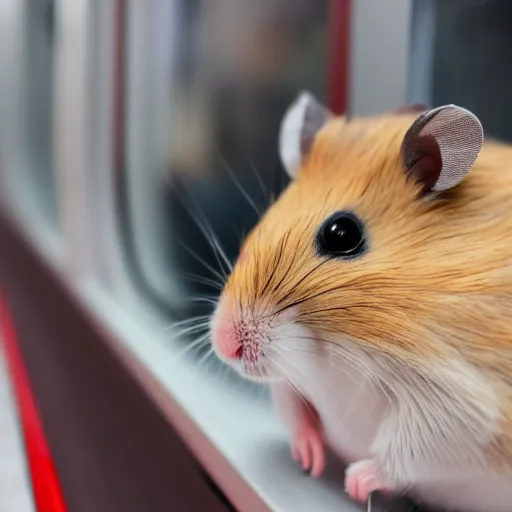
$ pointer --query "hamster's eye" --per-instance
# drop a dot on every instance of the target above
(341, 235)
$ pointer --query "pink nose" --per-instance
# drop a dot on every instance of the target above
(226, 339)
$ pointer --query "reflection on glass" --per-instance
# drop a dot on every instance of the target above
(38, 80)
(240, 64)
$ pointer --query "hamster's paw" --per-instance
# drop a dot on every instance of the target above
(361, 479)
(308, 448)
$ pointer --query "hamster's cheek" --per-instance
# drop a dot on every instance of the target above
(294, 347)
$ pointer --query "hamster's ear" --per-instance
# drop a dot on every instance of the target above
(441, 146)
(300, 124)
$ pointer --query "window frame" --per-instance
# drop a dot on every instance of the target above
(379, 56)
(136, 66)
(19, 196)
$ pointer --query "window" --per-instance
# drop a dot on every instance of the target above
(207, 86)
(35, 79)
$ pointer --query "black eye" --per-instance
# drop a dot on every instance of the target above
(341, 235)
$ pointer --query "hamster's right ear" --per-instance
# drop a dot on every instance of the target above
(301, 122)
(441, 146)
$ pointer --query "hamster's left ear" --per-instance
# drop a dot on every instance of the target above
(441, 146)
(301, 122)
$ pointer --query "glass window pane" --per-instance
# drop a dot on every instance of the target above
(228, 73)
(37, 81)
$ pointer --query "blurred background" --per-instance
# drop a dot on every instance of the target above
(196, 92)
(133, 132)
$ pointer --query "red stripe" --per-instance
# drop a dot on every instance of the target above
(45, 485)
(339, 56)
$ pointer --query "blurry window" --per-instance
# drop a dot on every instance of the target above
(36, 80)
(225, 71)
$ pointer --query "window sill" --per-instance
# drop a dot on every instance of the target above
(228, 424)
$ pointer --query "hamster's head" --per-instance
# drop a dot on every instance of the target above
(358, 253)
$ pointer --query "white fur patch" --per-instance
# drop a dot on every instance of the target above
(348, 401)
(438, 425)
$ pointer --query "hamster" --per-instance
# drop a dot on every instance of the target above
(375, 297)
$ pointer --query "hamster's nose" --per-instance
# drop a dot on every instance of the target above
(225, 339)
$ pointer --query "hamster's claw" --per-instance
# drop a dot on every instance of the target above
(361, 479)
(308, 449)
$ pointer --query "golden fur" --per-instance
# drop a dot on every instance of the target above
(436, 281)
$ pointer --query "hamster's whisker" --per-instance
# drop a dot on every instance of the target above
(344, 356)
(257, 174)
(202, 261)
(238, 185)
(303, 314)
(284, 242)
(316, 311)
(221, 372)
(277, 261)
(207, 231)
(313, 351)
(343, 359)
(202, 280)
(189, 321)
(196, 330)
(205, 358)
(293, 304)
(187, 329)
(300, 281)
(301, 300)
(224, 371)
(210, 300)
(298, 368)
(196, 344)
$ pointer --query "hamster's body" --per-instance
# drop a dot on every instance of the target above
(403, 350)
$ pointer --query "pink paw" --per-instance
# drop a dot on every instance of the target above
(361, 479)
(308, 449)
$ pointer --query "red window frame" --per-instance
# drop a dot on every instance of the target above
(339, 55)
